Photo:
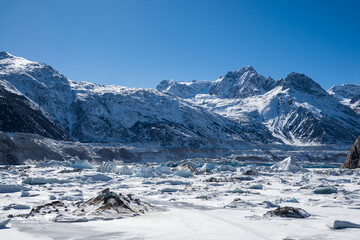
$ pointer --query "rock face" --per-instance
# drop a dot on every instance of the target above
(353, 158)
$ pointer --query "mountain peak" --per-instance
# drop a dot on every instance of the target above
(4, 55)
(301, 82)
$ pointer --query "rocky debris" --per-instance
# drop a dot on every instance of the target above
(239, 203)
(250, 172)
(353, 157)
(54, 207)
(337, 224)
(107, 205)
(325, 190)
(288, 164)
(224, 179)
(289, 212)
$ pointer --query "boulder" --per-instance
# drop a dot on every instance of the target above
(352, 159)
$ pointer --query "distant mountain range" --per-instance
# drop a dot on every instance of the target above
(237, 110)
(242, 106)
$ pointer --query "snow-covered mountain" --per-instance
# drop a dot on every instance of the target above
(295, 109)
(240, 108)
(96, 113)
(348, 94)
(20, 114)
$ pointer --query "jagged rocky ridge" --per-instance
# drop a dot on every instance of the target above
(295, 109)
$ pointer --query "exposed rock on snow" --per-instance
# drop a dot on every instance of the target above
(107, 205)
(290, 212)
(353, 157)
(288, 164)
(337, 224)
(111, 205)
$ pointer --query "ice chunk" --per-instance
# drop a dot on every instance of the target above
(11, 188)
(125, 170)
(325, 190)
(16, 206)
(83, 164)
(169, 190)
(173, 182)
(24, 193)
(3, 223)
(184, 173)
(162, 169)
(288, 164)
(343, 224)
(235, 191)
(269, 204)
(207, 167)
(108, 167)
(256, 186)
(145, 172)
(41, 181)
(53, 163)
(98, 177)
(225, 168)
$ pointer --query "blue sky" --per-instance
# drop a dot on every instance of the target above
(139, 43)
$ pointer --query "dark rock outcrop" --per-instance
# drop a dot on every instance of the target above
(353, 157)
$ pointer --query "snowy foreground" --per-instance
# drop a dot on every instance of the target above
(217, 200)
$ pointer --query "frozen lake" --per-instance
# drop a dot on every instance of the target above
(191, 200)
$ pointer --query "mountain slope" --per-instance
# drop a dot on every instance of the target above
(295, 109)
(347, 94)
(20, 114)
(96, 113)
